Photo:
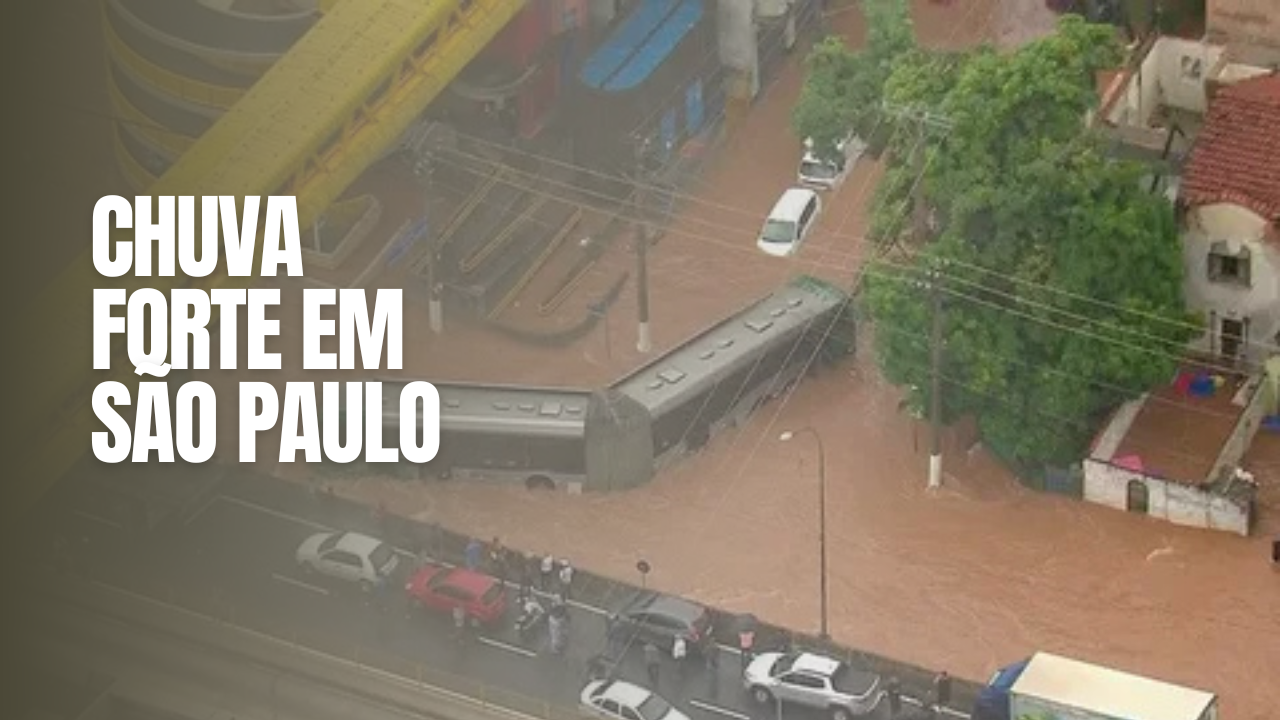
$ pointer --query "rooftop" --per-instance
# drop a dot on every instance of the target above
(1236, 158)
(1178, 436)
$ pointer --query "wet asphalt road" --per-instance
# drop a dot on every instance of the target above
(235, 559)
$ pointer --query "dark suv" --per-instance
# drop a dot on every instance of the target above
(659, 619)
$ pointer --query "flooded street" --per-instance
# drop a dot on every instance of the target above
(975, 576)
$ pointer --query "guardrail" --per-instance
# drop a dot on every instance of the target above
(214, 624)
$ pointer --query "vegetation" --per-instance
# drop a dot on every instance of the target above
(1061, 275)
(843, 87)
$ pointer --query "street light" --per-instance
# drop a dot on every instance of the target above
(822, 517)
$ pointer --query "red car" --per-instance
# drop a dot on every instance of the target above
(481, 597)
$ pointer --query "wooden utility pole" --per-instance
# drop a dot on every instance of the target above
(936, 341)
(923, 120)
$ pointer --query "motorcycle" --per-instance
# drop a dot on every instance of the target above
(532, 614)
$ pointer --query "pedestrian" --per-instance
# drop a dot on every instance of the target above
(545, 572)
(652, 664)
(381, 520)
(473, 554)
(893, 694)
(566, 579)
(498, 561)
(746, 646)
(679, 651)
(435, 541)
(711, 653)
(942, 690)
(524, 575)
(459, 623)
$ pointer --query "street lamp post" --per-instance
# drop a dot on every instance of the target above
(822, 519)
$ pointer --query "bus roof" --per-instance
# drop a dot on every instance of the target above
(1110, 693)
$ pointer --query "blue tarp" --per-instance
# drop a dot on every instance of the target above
(641, 44)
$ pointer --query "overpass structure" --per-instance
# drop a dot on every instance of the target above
(350, 84)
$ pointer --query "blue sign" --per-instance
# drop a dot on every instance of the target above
(408, 238)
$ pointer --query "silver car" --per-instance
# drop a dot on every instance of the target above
(350, 557)
(813, 681)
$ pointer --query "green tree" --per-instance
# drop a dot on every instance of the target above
(843, 87)
(1045, 238)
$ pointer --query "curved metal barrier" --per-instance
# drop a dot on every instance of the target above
(229, 39)
(170, 71)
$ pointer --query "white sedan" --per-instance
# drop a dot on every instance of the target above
(620, 700)
(348, 556)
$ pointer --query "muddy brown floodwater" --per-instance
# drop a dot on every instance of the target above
(968, 578)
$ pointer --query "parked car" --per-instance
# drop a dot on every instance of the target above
(620, 700)
(812, 680)
(829, 173)
(439, 588)
(350, 557)
(659, 619)
(789, 222)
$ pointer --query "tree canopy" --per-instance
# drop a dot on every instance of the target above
(1061, 275)
(843, 86)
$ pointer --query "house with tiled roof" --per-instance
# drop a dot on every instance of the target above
(1229, 201)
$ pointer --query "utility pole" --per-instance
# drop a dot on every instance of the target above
(919, 204)
(643, 341)
(935, 394)
(924, 120)
(435, 307)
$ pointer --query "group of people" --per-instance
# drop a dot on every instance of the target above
(547, 574)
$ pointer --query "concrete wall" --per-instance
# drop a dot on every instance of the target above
(1246, 428)
(1107, 484)
(1173, 73)
(1259, 303)
(1250, 27)
(1109, 441)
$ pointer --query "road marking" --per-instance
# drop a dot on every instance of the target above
(326, 657)
(99, 520)
(275, 513)
(504, 646)
(719, 710)
(921, 703)
(298, 583)
(203, 509)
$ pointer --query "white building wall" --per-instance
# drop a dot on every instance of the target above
(1107, 484)
(1260, 302)
(1173, 73)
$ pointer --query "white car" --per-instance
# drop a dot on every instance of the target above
(348, 556)
(620, 700)
(789, 222)
(827, 173)
(813, 681)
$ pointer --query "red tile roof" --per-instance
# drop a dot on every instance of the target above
(1236, 157)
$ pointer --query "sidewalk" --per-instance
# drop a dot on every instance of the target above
(589, 589)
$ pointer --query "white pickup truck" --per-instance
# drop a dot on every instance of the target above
(812, 680)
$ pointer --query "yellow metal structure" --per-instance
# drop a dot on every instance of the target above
(345, 92)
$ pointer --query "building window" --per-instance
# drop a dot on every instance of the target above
(1192, 67)
(1230, 268)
